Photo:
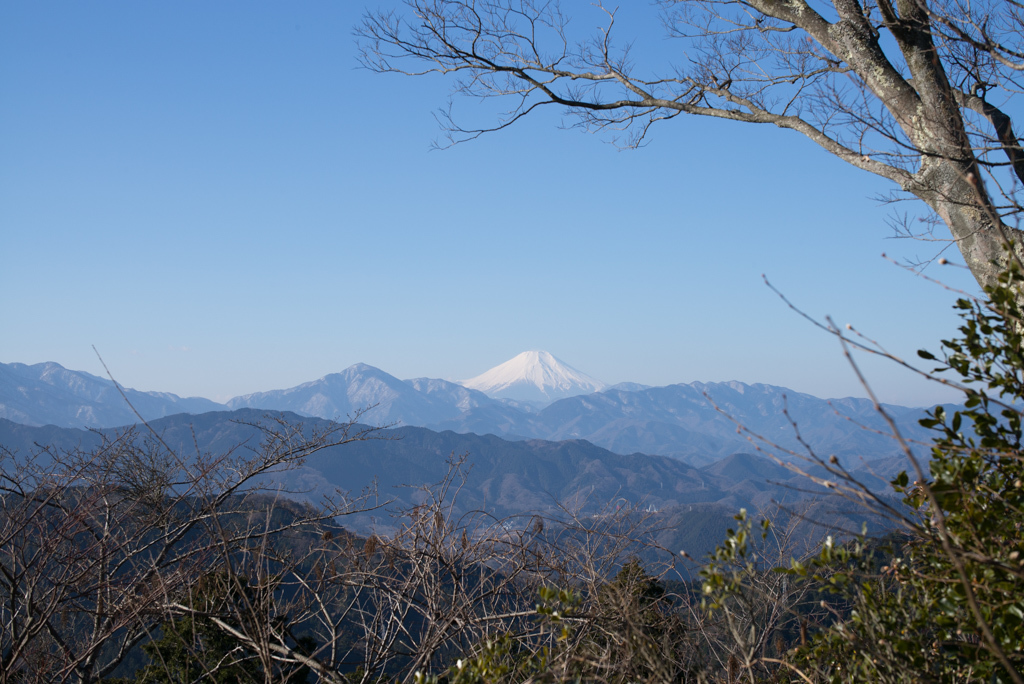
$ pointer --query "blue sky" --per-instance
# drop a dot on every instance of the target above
(222, 202)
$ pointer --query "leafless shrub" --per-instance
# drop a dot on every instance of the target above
(95, 544)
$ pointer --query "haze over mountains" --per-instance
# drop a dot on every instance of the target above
(680, 420)
(673, 449)
(505, 478)
(49, 394)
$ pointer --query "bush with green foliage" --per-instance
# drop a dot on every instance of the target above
(948, 606)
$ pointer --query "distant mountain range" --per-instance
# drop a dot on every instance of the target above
(675, 450)
(505, 478)
(372, 395)
(49, 394)
(681, 420)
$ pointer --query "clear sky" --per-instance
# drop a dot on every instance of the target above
(220, 200)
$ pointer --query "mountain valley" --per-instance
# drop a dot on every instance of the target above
(509, 480)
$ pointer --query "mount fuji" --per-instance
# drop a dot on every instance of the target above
(536, 377)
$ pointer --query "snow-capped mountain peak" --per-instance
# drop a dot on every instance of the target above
(534, 376)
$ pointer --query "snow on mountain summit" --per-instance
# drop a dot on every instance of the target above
(534, 376)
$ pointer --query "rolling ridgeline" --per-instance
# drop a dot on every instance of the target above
(680, 421)
(665, 450)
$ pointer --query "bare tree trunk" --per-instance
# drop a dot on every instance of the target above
(957, 195)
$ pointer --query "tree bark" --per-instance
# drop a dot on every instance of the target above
(957, 195)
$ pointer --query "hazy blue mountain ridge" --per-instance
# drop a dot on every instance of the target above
(382, 398)
(505, 478)
(680, 421)
(676, 420)
(49, 394)
(461, 397)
